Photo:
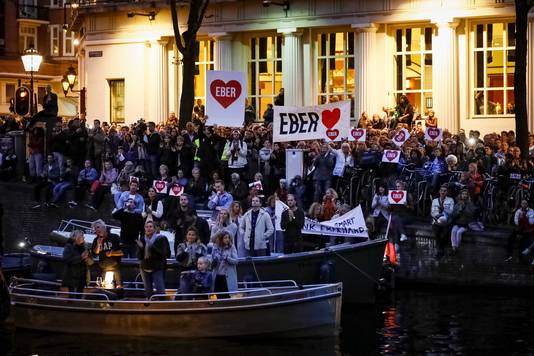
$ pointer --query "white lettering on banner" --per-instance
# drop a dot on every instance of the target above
(330, 122)
(351, 224)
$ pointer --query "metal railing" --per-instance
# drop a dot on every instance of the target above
(32, 12)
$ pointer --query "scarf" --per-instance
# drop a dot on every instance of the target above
(148, 244)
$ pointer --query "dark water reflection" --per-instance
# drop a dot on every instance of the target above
(407, 323)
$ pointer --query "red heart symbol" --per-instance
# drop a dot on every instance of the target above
(177, 189)
(160, 185)
(397, 195)
(433, 132)
(400, 136)
(332, 134)
(225, 93)
(357, 133)
(391, 155)
(330, 118)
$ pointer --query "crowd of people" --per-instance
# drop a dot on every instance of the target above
(159, 176)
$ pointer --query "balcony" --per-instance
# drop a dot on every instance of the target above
(32, 12)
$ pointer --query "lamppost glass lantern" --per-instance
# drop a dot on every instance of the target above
(65, 85)
(71, 76)
(31, 60)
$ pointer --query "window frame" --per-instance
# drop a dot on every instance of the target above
(473, 89)
(68, 51)
(257, 97)
(60, 4)
(58, 30)
(345, 56)
(422, 52)
(6, 99)
(25, 36)
(111, 115)
(205, 64)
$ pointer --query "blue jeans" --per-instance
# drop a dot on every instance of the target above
(59, 190)
(153, 280)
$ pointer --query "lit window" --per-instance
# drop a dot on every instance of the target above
(493, 58)
(54, 40)
(56, 3)
(68, 44)
(116, 92)
(413, 67)
(27, 37)
(335, 64)
(264, 72)
(9, 92)
(203, 63)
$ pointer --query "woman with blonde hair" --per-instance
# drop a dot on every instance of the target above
(223, 223)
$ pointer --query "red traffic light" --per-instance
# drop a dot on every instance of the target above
(22, 101)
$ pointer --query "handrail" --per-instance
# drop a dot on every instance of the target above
(213, 293)
(290, 281)
(18, 279)
(81, 223)
(15, 289)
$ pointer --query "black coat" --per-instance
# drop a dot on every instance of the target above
(159, 252)
(75, 271)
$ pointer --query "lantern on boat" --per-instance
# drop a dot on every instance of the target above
(108, 280)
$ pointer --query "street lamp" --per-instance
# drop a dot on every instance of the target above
(32, 61)
(67, 83)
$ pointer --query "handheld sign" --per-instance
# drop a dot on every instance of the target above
(176, 190)
(400, 137)
(357, 134)
(328, 122)
(159, 186)
(225, 98)
(433, 134)
(391, 156)
(397, 197)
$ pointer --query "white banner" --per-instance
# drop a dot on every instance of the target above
(176, 190)
(225, 98)
(351, 224)
(391, 156)
(160, 186)
(433, 134)
(397, 197)
(330, 122)
(400, 137)
(357, 134)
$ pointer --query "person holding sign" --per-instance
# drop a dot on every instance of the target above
(236, 151)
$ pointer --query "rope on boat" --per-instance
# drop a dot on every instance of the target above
(256, 271)
(365, 274)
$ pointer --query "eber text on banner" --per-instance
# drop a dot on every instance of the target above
(330, 122)
(225, 98)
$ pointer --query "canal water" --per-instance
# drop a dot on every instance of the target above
(404, 323)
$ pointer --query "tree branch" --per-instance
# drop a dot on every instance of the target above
(176, 27)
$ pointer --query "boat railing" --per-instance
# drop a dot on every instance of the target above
(270, 284)
(207, 296)
(23, 284)
(72, 224)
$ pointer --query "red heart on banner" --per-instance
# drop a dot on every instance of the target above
(400, 137)
(391, 155)
(357, 133)
(330, 118)
(397, 195)
(160, 185)
(177, 190)
(332, 134)
(225, 93)
(433, 132)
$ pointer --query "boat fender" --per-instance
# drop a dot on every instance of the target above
(327, 271)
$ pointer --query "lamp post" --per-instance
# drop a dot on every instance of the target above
(67, 83)
(32, 61)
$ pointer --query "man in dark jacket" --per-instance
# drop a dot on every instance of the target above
(322, 176)
(237, 188)
(153, 251)
(106, 247)
(132, 228)
(153, 149)
(50, 177)
(292, 222)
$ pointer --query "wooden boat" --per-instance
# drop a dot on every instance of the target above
(277, 308)
(357, 265)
